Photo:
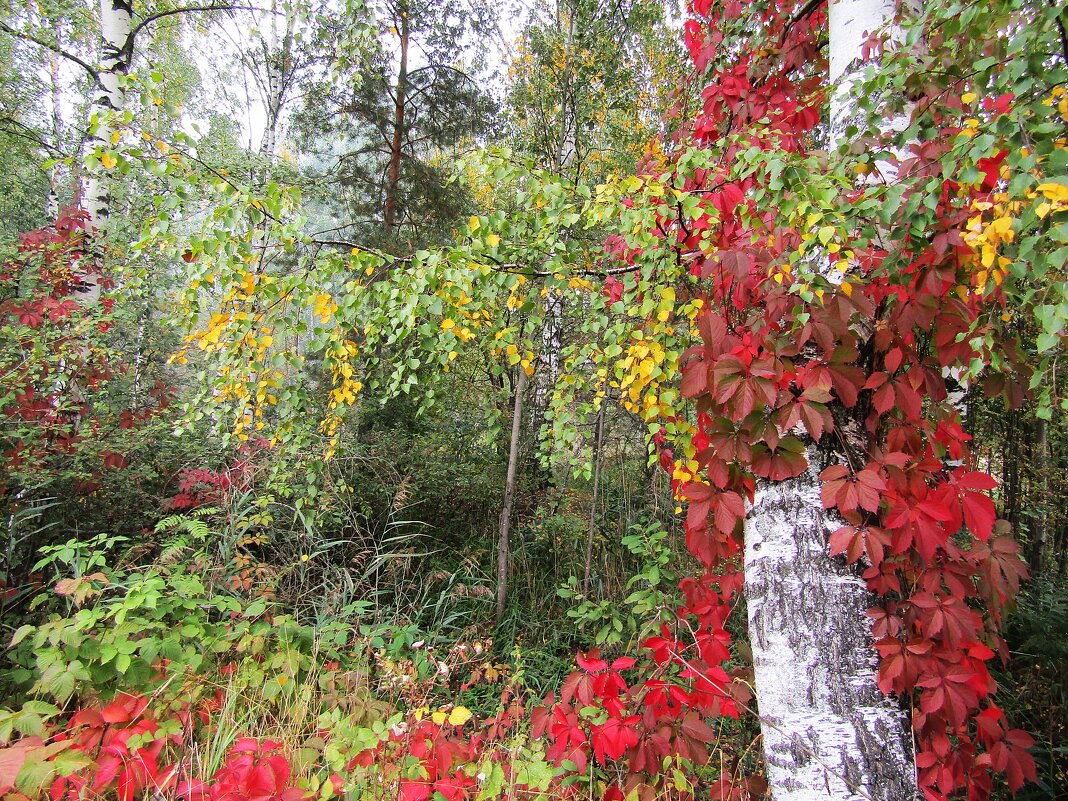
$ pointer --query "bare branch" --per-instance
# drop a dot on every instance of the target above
(151, 18)
(52, 47)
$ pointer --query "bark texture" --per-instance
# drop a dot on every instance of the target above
(509, 494)
(116, 18)
(829, 733)
(598, 438)
(400, 105)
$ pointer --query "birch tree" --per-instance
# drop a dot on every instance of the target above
(828, 731)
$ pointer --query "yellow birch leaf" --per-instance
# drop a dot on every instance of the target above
(459, 715)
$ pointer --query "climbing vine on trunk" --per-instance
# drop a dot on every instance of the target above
(844, 300)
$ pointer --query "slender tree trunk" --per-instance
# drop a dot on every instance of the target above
(55, 174)
(400, 102)
(828, 732)
(563, 160)
(1038, 541)
(277, 58)
(597, 438)
(509, 494)
(567, 154)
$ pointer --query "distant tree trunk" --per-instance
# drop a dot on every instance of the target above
(597, 439)
(1038, 539)
(563, 160)
(509, 494)
(828, 732)
(278, 63)
(55, 175)
(400, 101)
(567, 153)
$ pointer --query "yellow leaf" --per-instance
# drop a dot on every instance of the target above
(968, 98)
(447, 323)
(493, 240)
(439, 717)
(459, 715)
(1002, 225)
(1055, 192)
(474, 224)
(108, 161)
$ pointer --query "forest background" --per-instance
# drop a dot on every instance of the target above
(391, 389)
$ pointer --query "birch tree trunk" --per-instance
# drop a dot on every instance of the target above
(564, 160)
(277, 60)
(115, 28)
(509, 494)
(828, 731)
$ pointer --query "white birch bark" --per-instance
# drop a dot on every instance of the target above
(115, 27)
(279, 66)
(828, 731)
(564, 161)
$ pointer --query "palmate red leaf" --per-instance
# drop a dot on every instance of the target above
(591, 661)
(1001, 568)
(1021, 766)
(539, 719)
(696, 729)
(902, 662)
(857, 542)
(980, 514)
(611, 741)
(577, 685)
(1011, 756)
(847, 540)
(813, 415)
(729, 509)
(847, 383)
(947, 618)
(786, 461)
(694, 378)
(847, 493)
(411, 790)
